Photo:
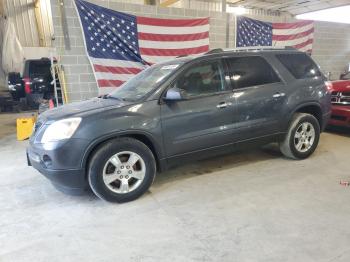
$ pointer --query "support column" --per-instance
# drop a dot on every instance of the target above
(223, 6)
(151, 2)
(167, 3)
(64, 25)
(2, 8)
(227, 15)
(39, 22)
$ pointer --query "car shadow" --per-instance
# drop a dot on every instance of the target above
(338, 130)
(218, 163)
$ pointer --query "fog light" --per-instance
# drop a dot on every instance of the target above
(47, 160)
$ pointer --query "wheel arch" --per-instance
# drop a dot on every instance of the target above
(312, 108)
(140, 136)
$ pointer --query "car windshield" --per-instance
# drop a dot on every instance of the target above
(144, 82)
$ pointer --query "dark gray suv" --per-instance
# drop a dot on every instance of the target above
(185, 109)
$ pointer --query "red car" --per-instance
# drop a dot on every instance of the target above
(340, 103)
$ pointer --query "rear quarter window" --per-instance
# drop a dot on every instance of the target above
(300, 66)
(250, 71)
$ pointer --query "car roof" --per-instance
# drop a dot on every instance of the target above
(219, 52)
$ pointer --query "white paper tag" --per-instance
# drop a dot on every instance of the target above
(168, 67)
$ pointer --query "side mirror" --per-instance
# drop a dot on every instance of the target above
(174, 94)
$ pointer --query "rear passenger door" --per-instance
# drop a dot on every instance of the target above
(259, 94)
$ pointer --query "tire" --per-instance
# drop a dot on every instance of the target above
(23, 103)
(300, 133)
(113, 176)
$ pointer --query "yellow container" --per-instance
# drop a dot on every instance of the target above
(25, 127)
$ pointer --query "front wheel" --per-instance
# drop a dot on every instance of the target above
(302, 137)
(121, 170)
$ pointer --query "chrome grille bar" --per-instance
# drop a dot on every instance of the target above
(340, 98)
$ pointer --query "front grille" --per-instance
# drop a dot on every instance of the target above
(341, 98)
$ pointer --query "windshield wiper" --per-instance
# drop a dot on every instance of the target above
(114, 97)
(110, 97)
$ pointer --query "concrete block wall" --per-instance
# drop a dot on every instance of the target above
(331, 45)
(331, 48)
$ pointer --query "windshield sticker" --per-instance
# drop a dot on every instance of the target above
(168, 67)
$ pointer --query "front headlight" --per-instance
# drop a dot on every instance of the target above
(62, 129)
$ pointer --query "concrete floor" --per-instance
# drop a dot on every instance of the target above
(254, 206)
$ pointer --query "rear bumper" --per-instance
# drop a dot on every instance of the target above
(340, 116)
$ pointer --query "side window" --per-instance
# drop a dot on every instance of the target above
(300, 65)
(204, 78)
(250, 71)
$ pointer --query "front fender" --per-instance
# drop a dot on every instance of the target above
(130, 133)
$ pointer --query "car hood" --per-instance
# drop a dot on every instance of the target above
(81, 109)
(341, 85)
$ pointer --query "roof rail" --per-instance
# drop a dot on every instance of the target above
(257, 48)
(290, 48)
(214, 51)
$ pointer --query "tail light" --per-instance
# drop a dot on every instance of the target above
(27, 85)
(329, 86)
(51, 104)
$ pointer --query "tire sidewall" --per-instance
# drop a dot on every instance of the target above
(313, 121)
(101, 157)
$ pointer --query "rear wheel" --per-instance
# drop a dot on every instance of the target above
(121, 170)
(302, 137)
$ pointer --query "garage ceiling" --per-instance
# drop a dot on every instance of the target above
(292, 6)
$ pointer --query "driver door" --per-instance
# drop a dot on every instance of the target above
(203, 119)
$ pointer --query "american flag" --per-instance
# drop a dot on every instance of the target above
(120, 45)
(251, 32)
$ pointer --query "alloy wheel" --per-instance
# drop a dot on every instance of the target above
(304, 137)
(124, 172)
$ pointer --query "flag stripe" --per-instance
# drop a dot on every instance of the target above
(291, 25)
(158, 59)
(299, 46)
(292, 31)
(307, 48)
(164, 30)
(175, 38)
(116, 63)
(173, 52)
(292, 36)
(117, 69)
(109, 83)
(112, 76)
(292, 42)
(173, 45)
(171, 22)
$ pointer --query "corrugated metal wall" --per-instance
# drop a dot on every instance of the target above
(23, 16)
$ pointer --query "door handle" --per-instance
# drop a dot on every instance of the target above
(278, 94)
(222, 105)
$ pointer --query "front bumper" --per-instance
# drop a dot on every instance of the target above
(60, 163)
(340, 116)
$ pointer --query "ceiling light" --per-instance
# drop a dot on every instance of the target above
(337, 14)
(238, 10)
